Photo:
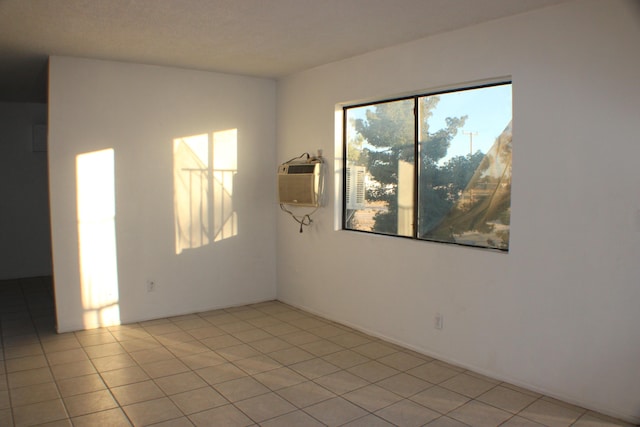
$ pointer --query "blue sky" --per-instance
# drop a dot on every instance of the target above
(488, 109)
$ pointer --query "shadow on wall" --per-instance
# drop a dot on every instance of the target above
(95, 189)
(204, 169)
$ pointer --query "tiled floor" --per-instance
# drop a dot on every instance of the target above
(265, 364)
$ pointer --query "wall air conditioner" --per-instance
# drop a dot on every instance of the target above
(299, 184)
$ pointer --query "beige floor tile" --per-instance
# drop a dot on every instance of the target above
(187, 348)
(25, 363)
(135, 345)
(372, 397)
(227, 415)
(87, 403)
(478, 414)
(518, 421)
(79, 385)
(237, 352)
(251, 335)
(192, 323)
(63, 343)
(370, 420)
(440, 399)
(138, 392)
(39, 413)
(433, 372)
(220, 373)
(278, 328)
(507, 399)
(103, 350)
(314, 368)
(309, 322)
(176, 422)
(373, 371)
(124, 376)
(349, 340)
(332, 374)
(299, 337)
(6, 417)
(152, 355)
(407, 413)
(297, 418)
(306, 394)
(221, 341)
(164, 368)
(279, 378)
(292, 355)
(111, 363)
(161, 329)
(401, 361)
(404, 385)
(174, 338)
(202, 360)
(67, 356)
(128, 334)
(270, 345)
(336, 411)
(446, 422)
(264, 407)
(95, 339)
(33, 394)
(467, 385)
(73, 369)
(11, 352)
(207, 331)
(241, 389)
(551, 414)
(257, 364)
(29, 377)
(346, 359)
(327, 331)
(198, 400)
(152, 411)
(321, 348)
(179, 383)
(341, 382)
(5, 401)
(111, 417)
(374, 350)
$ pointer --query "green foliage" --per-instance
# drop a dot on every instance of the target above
(390, 130)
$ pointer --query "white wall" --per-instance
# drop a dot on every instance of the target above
(138, 111)
(560, 312)
(25, 250)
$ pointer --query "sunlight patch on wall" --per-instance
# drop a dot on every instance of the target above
(97, 238)
(225, 166)
(204, 168)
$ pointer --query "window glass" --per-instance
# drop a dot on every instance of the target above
(463, 142)
(380, 168)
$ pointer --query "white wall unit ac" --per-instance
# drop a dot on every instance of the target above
(299, 184)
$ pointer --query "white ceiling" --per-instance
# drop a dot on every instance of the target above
(268, 38)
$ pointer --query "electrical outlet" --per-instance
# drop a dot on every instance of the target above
(151, 286)
(438, 321)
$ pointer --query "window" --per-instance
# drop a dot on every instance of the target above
(432, 167)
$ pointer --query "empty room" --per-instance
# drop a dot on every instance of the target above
(310, 213)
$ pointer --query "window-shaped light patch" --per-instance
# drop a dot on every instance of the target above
(96, 211)
(204, 168)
